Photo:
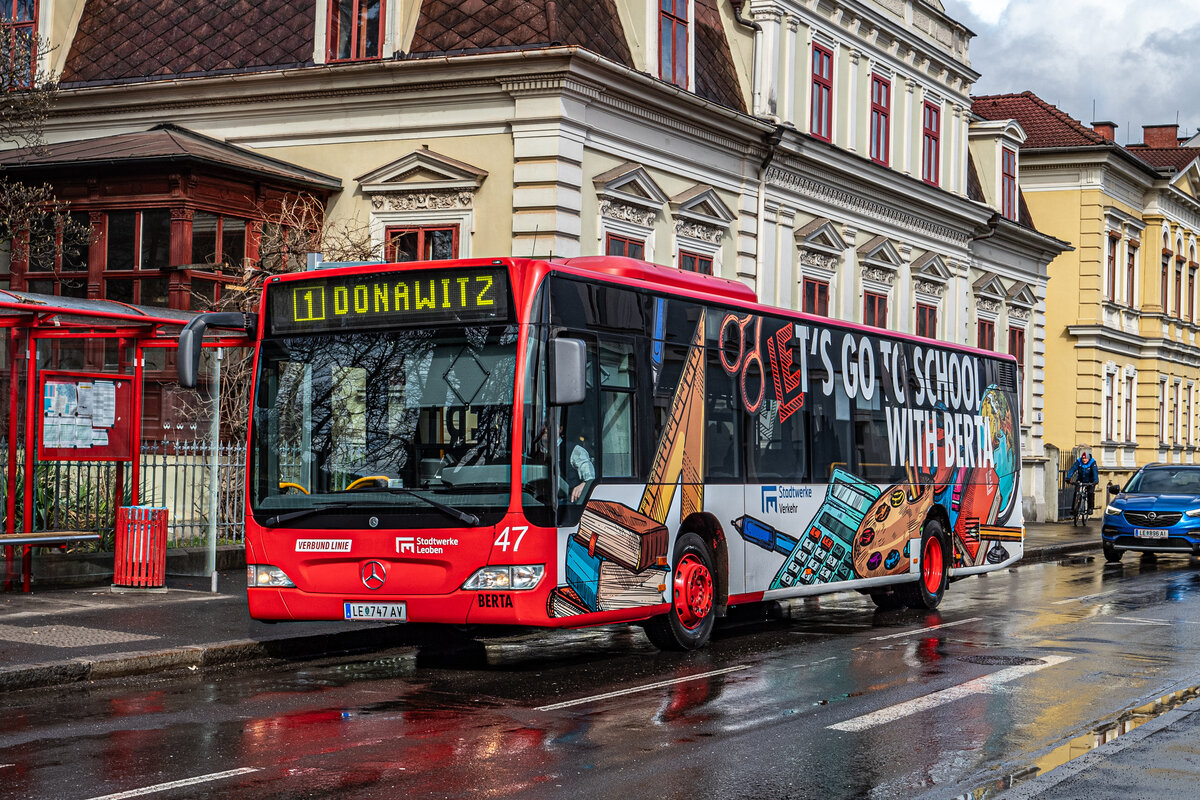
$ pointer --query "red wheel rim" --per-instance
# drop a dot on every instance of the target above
(693, 591)
(932, 565)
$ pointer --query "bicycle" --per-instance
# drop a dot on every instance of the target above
(1080, 507)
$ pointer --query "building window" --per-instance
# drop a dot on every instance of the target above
(820, 122)
(218, 240)
(18, 26)
(985, 334)
(1008, 183)
(1177, 429)
(1166, 275)
(1113, 242)
(616, 245)
(355, 29)
(1162, 411)
(1179, 287)
(138, 250)
(1108, 432)
(1016, 346)
(434, 243)
(929, 146)
(1131, 277)
(816, 297)
(694, 262)
(1191, 294)
(875, 309)
(1187, 416)
(927, 320)
(881, 106)
(1130, 406)
(53, 271)
(673, 41)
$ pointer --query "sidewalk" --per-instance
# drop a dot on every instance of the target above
(59, 636)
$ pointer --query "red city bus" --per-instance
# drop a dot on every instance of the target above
(602, 440)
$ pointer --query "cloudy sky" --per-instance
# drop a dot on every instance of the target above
(1135, 60)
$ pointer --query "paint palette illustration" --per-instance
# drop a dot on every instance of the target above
(823, 554)
(881, 546)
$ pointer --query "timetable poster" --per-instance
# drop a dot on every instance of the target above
(86, 417)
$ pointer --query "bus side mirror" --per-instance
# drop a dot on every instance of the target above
(568, 371)
(192, 337)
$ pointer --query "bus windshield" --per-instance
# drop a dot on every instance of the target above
(403, 423)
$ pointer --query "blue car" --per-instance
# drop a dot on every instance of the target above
(1158, 511)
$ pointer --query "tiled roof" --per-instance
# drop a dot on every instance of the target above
(137, 39)
(1175, 158)
(164, 144)
(716, 79)
(1045, 125)
(455, 25)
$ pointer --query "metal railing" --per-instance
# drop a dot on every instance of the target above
(176, 475)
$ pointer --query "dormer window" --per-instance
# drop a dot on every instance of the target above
(355, 29)
(673, 41)
(1008, 183)
(18, 26)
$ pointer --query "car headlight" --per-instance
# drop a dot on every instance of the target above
(1115, 510)
(266, 575)
(520, 577)
(1195, 512)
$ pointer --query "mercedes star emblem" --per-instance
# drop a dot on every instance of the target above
(373, 574)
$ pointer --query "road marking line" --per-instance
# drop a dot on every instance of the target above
(982, 685)
(1084, 597)
(925, 630)
(634, 690)
(162, 787)
(1138, 621)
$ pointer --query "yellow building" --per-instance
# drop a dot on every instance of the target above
(1121, 322)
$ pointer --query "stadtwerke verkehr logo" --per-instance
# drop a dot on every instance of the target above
(770, 499)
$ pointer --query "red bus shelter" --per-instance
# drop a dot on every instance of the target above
(75, 372)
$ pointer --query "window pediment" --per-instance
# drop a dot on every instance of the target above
(989, 293)
(628, 193)
(422, 170)
(880, 260)
(700, 214)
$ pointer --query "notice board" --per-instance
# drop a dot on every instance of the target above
(86, 416)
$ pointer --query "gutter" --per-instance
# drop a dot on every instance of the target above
(756, 58)
(771, 141)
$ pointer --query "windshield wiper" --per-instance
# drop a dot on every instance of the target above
(460, 515)
(272, 522)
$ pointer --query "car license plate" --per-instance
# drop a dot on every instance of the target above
(1150, 533)
(392, 612)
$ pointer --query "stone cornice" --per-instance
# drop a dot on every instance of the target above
(807, 186)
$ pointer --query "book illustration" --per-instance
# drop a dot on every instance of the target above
(564, 602)
(622, 535)
(620, 589)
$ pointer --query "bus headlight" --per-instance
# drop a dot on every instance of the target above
(525, 576)
(266, 575)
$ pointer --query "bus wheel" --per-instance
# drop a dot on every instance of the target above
(690, 620)
(926, 593)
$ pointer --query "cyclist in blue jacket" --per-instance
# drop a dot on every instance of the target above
(1089, 476)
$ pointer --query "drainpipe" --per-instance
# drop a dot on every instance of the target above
(756, 58)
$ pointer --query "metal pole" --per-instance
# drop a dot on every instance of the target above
(212, 491)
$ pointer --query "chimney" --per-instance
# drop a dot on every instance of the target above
(1106, 129)
(1160, 135)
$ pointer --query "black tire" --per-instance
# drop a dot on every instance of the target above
(886, 600)
(681, 628)
(1111, 554)
(927, 591)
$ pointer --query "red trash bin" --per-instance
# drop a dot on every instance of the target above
(141, 548)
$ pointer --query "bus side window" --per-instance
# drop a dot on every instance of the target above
(830, 429)
(618, 382)
(722, 444)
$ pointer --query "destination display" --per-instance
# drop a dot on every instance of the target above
(383, 299)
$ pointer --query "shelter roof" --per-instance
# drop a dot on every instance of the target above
(88, 312)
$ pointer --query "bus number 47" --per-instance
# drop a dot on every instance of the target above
(504, 539)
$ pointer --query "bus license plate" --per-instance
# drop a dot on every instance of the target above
(391, 612)
(1150, 533)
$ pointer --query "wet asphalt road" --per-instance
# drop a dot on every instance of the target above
(836, 700)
